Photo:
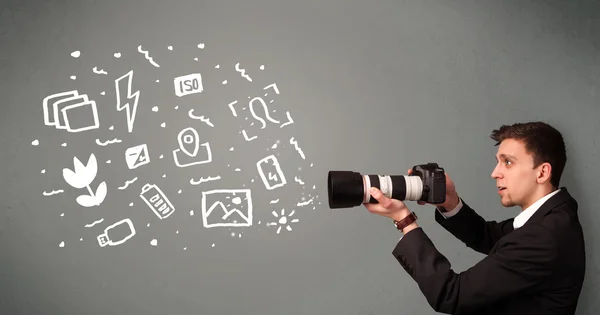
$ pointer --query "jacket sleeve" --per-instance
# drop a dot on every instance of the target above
(473, 230)
(519, 265)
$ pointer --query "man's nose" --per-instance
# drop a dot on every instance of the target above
(495, 173)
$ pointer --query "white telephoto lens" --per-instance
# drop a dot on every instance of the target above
(366, 188)
(386, 185)
(414, 187)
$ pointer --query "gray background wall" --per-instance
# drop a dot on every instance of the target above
(374, 88)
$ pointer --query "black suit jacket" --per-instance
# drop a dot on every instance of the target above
(536, 269)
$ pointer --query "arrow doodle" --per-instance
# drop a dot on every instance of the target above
(126, 100)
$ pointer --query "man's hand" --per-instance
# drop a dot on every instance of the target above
(389, 207)
(451, 195)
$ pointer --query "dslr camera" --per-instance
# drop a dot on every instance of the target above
(427, 183)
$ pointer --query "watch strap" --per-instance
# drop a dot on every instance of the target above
(400, 225)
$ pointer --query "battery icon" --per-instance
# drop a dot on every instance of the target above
(157, 201)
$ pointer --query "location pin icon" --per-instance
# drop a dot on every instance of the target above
(189, 141)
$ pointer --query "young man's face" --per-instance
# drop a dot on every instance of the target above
(514, 174)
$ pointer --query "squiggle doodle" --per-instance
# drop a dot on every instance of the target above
(298, 180)
(94, 223)
(54, 192)
(203, 180)
(242, 72)
(202, 119)
(150, 59)
(233, 109)
(295, 143)
(274, 201)
(101, 71)
(266, 110)
(301, 204)
(115, 140)
(127, 183)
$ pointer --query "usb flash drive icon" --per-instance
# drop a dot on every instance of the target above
(113, 235)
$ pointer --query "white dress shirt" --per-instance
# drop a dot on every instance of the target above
(520, 219)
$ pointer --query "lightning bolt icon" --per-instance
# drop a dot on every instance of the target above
(126, 100)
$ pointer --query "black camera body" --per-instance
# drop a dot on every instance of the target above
(427, 183)
(434, 182)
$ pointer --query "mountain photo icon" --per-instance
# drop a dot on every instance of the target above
(190, 151)
(227, 207)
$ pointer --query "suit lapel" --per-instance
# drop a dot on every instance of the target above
(561, 197)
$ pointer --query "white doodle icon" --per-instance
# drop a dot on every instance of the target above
(70, 111)
(157, 201)
(113, 235)
(225, 207)
(188, 84)
(83, 176)
(270, 172)
(189, 145)
(126, 100)
(137, 156)
(265, 110)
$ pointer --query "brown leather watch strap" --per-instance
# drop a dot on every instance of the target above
(412, 217)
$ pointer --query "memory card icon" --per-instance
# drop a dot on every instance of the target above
(157, 201)
(137, 156)
(270, 172)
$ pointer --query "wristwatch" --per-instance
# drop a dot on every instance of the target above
(400, 225)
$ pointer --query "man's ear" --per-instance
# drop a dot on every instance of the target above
(544, 172)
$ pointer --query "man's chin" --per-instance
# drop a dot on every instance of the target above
(507, 204)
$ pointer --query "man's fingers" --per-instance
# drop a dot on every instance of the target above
(383, 200)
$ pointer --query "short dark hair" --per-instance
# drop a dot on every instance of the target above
(542, 141)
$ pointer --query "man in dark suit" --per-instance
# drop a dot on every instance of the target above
(535, 263)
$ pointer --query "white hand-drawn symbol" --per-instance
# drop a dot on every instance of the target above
(265, 109)
(189, 144)
(113, 234)
(287, 113)
(147, 56)
(137, 156)
(83, 176)
(283, 220)
(125, 99)
(298, 149)
(188, 84)
(70, 111)
(157, 201)
(242, 72)
(224, 207)
(270, 172)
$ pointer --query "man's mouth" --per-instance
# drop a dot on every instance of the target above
(500, 188)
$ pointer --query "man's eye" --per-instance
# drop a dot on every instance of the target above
(507, 161)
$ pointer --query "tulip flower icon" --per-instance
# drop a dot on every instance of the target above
(83, 176)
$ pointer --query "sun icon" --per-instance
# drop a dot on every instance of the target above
(283, 220)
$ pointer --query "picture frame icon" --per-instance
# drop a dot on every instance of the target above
(69, 110)
(227, 208)
(188, 153)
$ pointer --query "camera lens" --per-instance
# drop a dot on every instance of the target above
(349, 189)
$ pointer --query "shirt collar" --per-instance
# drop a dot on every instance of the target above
(527, 213)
